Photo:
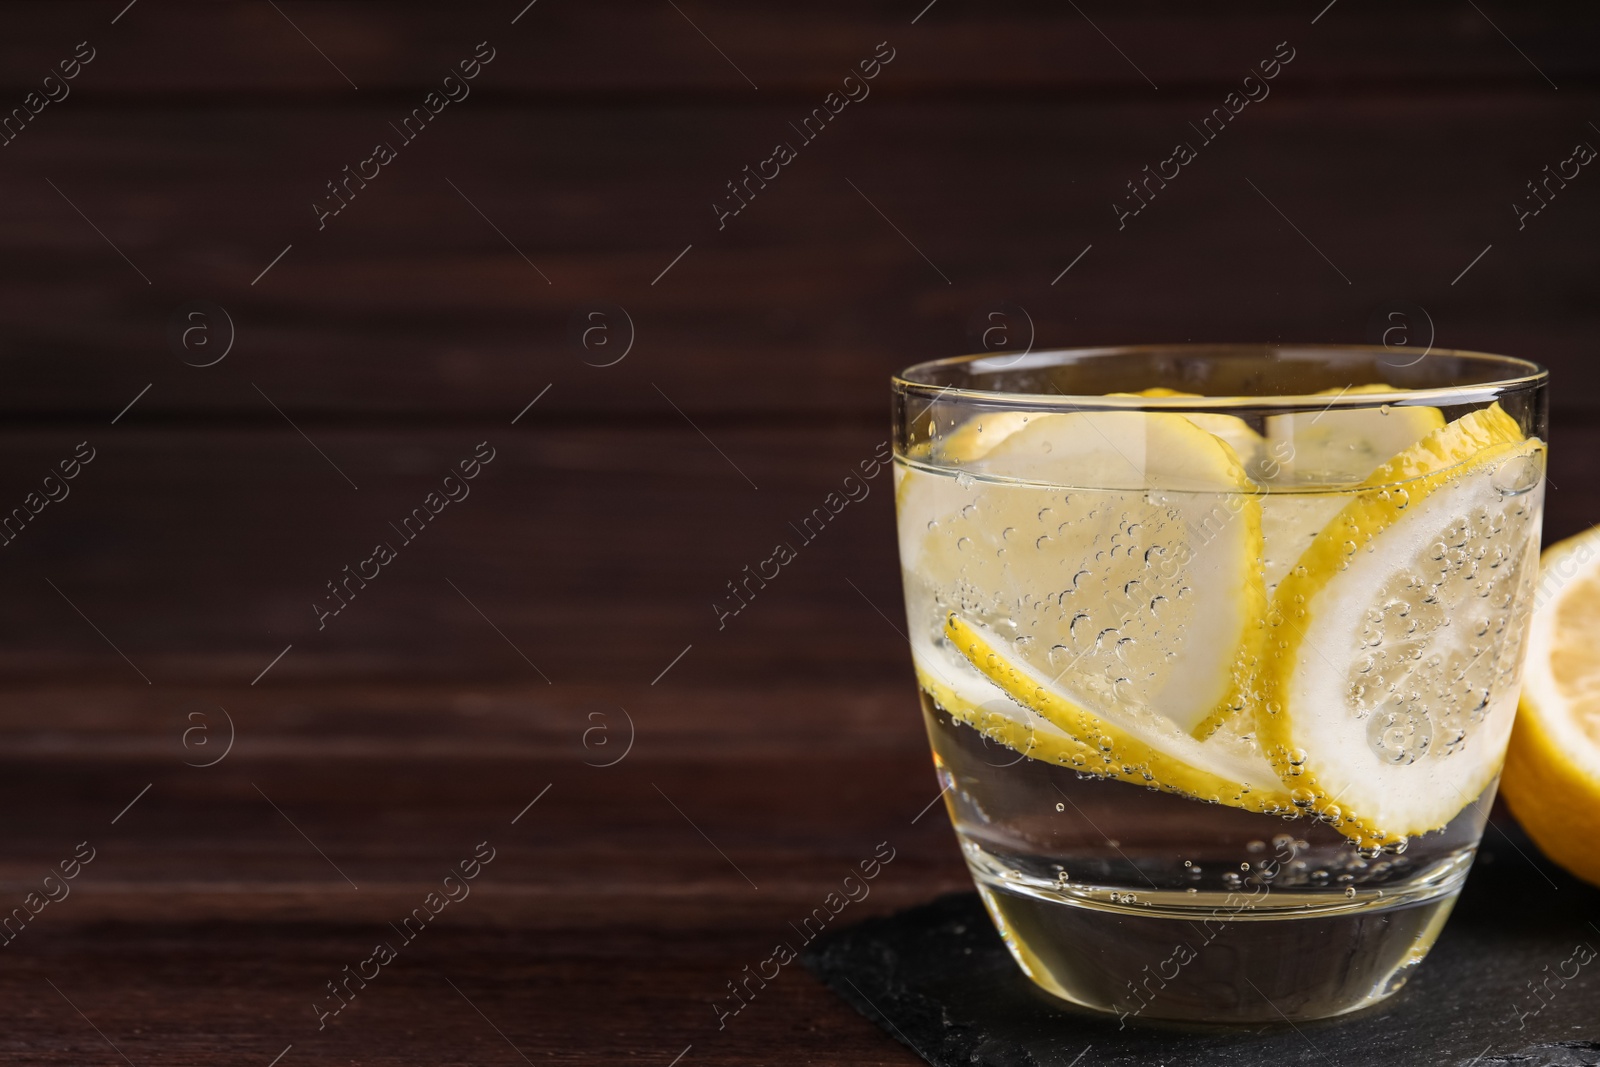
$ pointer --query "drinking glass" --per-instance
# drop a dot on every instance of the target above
(1218, 649)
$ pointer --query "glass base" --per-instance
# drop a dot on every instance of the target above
(1213, 957)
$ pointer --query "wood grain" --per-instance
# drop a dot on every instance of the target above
(410, 304)
(629, 48)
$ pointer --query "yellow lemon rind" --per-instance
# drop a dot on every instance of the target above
(1454, 451)
(1553, 800)
(1018, 736)
(1100, 748)
(1238, 707)
(1554, 796)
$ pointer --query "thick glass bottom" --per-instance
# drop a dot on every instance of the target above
(1236, 957)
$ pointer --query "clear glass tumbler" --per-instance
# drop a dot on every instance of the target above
(1219, 649)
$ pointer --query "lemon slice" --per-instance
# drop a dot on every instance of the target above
(1248, 445)
(1552, 775)
(1290, 522)
(977, 437)
(970, 698)
(972, 440)
(1389, 682)
(1344, 446)
(1326, 449)
(1141, 599)
(1145, 750)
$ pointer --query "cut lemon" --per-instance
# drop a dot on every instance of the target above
(1146, 600)
(1323, 448)
(969, 697)
(972, 440)
(1335, 446)
(977, 437)
(1248, 445)
(1143, 749)
(1552, 775)
(1389, 683)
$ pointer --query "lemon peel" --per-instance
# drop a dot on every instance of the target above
(1552, 774)
(1384, 787)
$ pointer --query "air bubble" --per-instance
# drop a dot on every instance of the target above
(1517, 475)
(1061, 807)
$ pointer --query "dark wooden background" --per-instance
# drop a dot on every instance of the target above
(778, 750)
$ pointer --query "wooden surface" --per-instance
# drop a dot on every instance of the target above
(559, 598)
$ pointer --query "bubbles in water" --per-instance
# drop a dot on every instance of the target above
(1518, 475)
(1061, 807)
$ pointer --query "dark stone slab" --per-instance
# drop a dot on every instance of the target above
(938, 979)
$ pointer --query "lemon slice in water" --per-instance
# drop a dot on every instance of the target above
(971, 698)
(978, 436)
(1344, 445)
(1322, 451)
(1248, 445)
(1137, 598)
(1143, 749)
(1387, 688)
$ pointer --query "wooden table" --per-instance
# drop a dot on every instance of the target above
(561, 617)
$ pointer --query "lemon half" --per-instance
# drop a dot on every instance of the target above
(1552, 773)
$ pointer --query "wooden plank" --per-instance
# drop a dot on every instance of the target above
(201, 555)
(1304, 220)
(603, 927)
(719, 48)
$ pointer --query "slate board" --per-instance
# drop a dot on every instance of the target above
(937, 978)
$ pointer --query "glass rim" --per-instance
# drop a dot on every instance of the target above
(1520, 374)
